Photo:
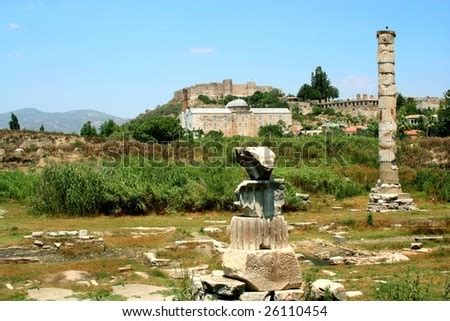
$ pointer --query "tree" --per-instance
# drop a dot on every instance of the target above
(14, 122)
(442, 127)
(320, 87)
(400, 101)
(275, 130)
(108, 127)
(307, 92)
(160, 129)
(42, 129)
(88, 130)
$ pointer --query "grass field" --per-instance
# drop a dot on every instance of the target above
(389, 231)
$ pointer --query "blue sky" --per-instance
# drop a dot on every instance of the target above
(123, 57)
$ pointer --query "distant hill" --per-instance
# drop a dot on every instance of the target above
(66, 122)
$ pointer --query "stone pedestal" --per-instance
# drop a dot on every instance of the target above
(263, 270)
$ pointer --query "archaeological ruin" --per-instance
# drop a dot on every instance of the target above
(387, 195)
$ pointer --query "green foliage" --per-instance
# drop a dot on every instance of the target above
(320, 88)
(88, 130)
(14, 122)
(15, 185)
(271, 130)
(434, 182)
(369, 219)
(206, 100)
(408, 288)
(266, 99)
(71, 189)
(101, 295)
(157, 129)
(184, 289)
(169, 109)
(108, 127)
(371, 131)
(42, 129)
(307, 92)
(214, 135)
(442, 128)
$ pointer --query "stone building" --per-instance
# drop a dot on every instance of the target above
(236, 118)
(217, 90)
(366, 105)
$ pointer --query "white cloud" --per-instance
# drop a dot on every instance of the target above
(351, 85)
(202, 51)
(13, 26)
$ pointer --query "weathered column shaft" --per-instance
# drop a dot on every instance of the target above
(387, 103)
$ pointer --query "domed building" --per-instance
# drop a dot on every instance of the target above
(235, 119)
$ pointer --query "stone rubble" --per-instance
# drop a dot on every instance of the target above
(323, 287)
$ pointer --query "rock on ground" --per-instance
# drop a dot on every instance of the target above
(222, 287)
(70, 276)
(322, 286)
(51, 294)
(264, 270)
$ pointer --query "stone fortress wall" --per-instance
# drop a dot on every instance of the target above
(366, 105)
(218, 90)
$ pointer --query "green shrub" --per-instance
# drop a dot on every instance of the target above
(15, 185)
(408, 288)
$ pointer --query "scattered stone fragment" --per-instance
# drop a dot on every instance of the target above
(428, 238)
(416, 246)
(353, 294)
(336, 208)
(57, 244)
(126, 268)
(215, 222)
(323, 287)
(84, 283)
(217, 273)
(179, 273)
(289, 295)
(211, 229)
(37, 234)
(155, 261)
(253, 296)
(83, 233)
(329, 273)
(224, 288)
(94, 283)
(72, 233)
(18, 260)
(339, 239)
(142, 274)
(46, 247)
(38, 243)
(299, 256)
(336, 260)
(27, 237)
(307, 262)
(70, 276)
(9, 286)
(51, 294)
(353, 210)
(304, 197)
(62, 233)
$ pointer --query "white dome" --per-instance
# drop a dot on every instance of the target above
(237, 103)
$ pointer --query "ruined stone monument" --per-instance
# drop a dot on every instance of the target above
(387, 195)
(259, 252)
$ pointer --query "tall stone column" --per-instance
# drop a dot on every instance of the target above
(387, 195)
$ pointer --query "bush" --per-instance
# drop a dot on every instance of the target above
(15, 185)
(408, 288)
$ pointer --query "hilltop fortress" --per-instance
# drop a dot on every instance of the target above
(217, 90)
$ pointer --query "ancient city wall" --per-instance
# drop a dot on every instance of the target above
(218, 90)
